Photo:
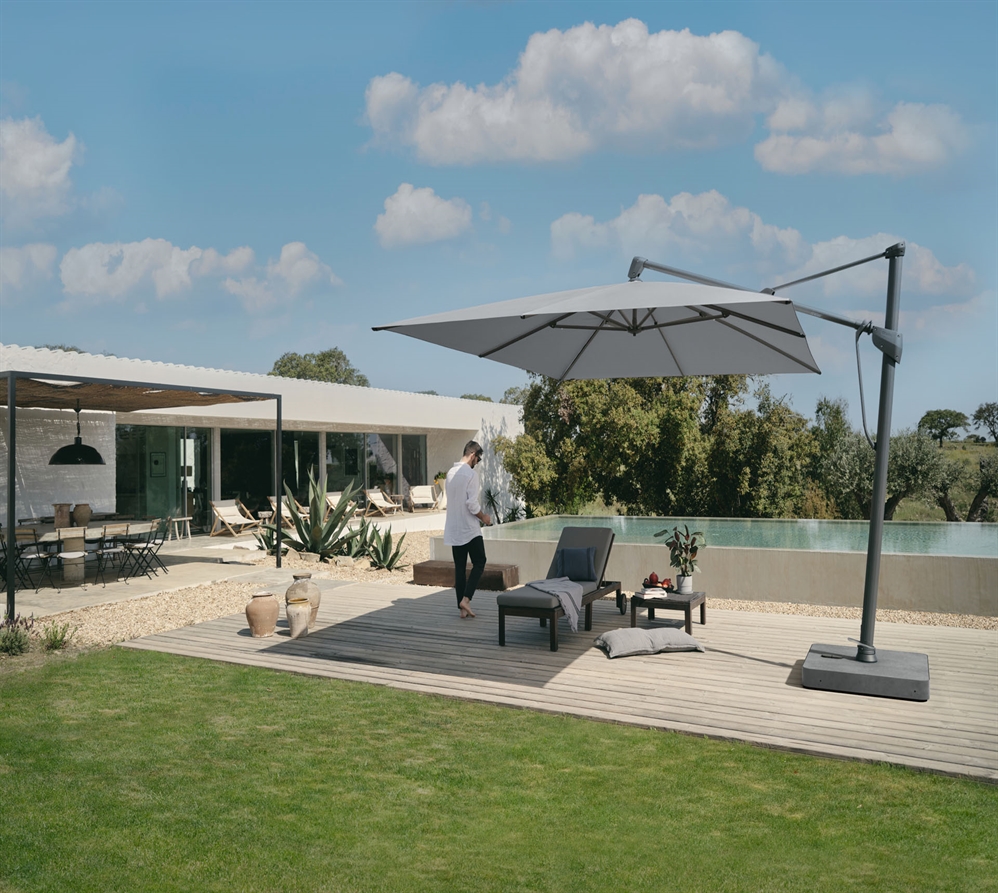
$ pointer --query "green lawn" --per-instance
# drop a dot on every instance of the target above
(134, 771)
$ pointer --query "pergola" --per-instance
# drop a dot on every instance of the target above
(38, 390)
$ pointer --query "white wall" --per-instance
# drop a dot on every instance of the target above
(40, 432)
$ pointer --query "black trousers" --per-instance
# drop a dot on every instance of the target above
(464, 584)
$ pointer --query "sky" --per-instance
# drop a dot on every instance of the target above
(215, 184)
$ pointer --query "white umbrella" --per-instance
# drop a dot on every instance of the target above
(628, 330)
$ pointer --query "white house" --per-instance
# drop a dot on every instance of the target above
(168, 461)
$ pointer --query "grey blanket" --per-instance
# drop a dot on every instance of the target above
(567, 592)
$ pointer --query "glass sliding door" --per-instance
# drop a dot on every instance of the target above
(382, 464)
(148, 471)
(247, 463)
(344, 461)
(299, 457)
(413, 461)
(195, 477)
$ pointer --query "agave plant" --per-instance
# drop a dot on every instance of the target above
(325, 531)
(379, 549)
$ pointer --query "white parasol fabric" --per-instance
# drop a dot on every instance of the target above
(630, 330)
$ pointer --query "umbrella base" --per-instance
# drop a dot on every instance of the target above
(903, 675)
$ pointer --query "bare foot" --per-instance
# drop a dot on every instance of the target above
(466, 609)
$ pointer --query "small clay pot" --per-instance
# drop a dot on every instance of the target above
(303, 587)
(297, 611)
(262, 611)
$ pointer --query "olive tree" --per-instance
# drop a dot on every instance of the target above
(986, 416)
(941, 424)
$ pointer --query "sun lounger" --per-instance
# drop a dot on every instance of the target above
(379, 504)
(423, 497)
(230, 516)
(529, 602)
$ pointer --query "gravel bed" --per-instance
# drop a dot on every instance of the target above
(102, 625)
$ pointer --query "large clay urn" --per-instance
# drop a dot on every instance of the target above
(262, 611)
(82, 514)
(298, 610)
(61, 514)
(303, 587)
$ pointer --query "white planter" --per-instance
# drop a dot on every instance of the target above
(684, 584)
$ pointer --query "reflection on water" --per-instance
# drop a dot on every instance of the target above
(917, 537)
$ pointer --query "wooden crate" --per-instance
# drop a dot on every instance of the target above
(497, 577)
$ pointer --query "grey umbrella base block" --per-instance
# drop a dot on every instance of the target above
(896, 674)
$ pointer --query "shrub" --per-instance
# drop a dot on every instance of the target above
(56, 636)
(15, 634)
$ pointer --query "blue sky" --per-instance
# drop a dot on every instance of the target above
(218, 183)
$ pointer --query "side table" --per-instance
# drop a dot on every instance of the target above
(672, 601)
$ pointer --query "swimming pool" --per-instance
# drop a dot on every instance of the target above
(900, 537)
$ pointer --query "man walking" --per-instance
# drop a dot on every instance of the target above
(462, 529)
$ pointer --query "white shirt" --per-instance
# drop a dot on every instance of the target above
(462, 524)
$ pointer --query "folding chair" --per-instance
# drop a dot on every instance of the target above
(143, 556)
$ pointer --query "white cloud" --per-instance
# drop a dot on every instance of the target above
(112, 271)
(294, 270)
(237, 260)
(299, 267)
(692, 224)
(845, 137)
(619, 86)
(739, 244)
(255, 295)
(34, 170)
(577, 90)
(21, 266)
(414, 216)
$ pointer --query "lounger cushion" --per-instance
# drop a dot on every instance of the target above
(528, 597)
(578, 565)
(633, 640)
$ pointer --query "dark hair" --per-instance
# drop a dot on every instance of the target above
(472, 448)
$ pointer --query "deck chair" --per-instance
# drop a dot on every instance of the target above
(333, 498)
(528, 602)
(423, 497)
(286, 519)
(230, 516)
(379, 504)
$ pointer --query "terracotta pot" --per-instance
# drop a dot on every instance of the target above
(61, 510)
(261, 613)
(82, 514)
(303, 587)
(297, 611)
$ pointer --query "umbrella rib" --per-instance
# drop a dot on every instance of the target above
(770, 346)
(759, 322)
(582, 350)
(534, 331)
(665, 341)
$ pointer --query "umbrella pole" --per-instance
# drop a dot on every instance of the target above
(890, 674)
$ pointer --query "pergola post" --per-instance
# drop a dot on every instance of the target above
(279, 474)
(11, 569)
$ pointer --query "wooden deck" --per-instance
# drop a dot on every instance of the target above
(746, 686)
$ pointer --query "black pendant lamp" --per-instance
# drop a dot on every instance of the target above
(76, 453)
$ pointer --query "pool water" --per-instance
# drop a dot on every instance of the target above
(903, 537)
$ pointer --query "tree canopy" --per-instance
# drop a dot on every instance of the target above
(330, 365)
(986, 416)
(690, 446)
(941, 424)
(481, 397)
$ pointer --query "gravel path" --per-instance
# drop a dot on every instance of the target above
(102, 625)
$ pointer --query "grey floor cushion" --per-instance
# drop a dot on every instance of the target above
(633, 640)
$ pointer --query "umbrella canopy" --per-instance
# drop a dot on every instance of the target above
(630, 330)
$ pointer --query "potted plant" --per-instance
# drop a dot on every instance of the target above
(683, 549)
